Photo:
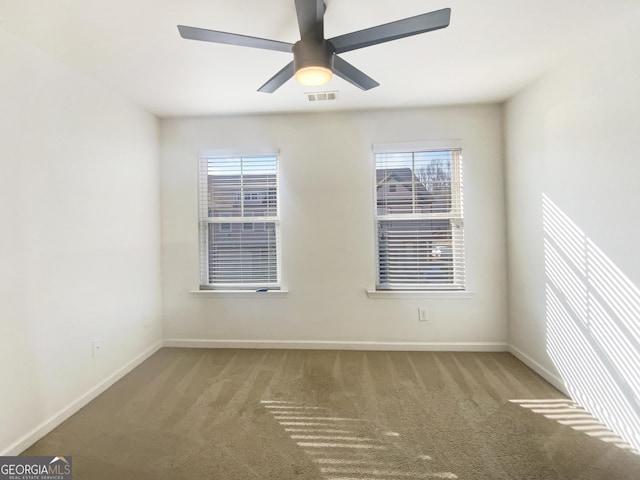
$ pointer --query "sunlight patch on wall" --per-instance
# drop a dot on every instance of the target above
(345, 448)
(593, 325)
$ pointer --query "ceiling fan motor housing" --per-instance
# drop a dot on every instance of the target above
(312, 54)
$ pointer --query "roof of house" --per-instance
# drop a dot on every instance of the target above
(403, 176)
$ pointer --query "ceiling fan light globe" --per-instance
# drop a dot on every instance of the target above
(313, 76)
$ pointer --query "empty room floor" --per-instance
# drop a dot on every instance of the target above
(349, 415)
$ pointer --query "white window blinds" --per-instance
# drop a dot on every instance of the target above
(419, 220)
(239, 222)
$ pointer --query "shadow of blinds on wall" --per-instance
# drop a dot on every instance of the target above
(239, 222)
(419, 218)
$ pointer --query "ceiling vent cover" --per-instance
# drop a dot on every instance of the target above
(322, 96)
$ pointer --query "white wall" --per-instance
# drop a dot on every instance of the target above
(572, 171)
(79, 239)
(328, 231)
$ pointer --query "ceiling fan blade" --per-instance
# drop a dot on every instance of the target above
(278, 79)
(351, 74)
(311, 19)
(392, 31)
(193, 33)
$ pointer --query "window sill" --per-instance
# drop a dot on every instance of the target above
(240, 293)
(400, 294)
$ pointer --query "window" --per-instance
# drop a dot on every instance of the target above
(225, 227)
(239, 236)
(419, 227)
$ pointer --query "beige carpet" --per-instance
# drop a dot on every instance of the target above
(288, 414)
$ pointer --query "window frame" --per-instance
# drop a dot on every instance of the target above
(459, 284)
(204, 221)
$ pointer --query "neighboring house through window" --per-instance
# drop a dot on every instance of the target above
(239, 222)
(419, 218)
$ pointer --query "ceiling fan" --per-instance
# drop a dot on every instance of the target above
(315, 58)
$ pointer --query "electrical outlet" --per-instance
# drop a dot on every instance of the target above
(148, 321)
(97, 347)
(423, 314)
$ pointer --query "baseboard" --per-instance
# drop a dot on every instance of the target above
(544, 372)
(48, 425)
(340, 345)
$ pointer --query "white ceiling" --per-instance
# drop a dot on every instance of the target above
(491, 49)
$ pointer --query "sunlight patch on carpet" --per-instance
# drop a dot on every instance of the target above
(345, 448)
(569, 413)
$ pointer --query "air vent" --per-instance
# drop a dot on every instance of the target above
(322, 96)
